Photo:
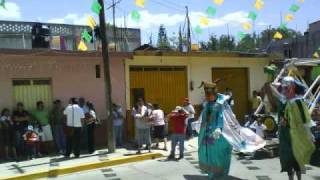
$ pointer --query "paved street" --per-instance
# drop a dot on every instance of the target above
(187, 169)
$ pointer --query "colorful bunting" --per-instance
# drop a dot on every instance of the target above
(218, 2)
(91, 22)
(204, 21)
(259, 4)
(140, 3)
(82, 46)
(283, 27)
(294, 8)
(3, 4)
(86, 36)
(252, 15)
(277, 35)
(135, 15)
(241, 35)
(211, 11)
(96, 7)
(247, 26)
(198, 30)
(289, 17)
(301, 1)
(316, 55)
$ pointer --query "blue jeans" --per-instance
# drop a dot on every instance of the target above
(175, 139)
(59, 137)
(118, 135)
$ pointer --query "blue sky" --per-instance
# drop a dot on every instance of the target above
(169, 12)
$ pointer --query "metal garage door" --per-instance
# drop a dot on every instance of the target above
(237, 80)
(166, 86)
(29, 91)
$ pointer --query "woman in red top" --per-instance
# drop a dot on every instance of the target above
(178, 118)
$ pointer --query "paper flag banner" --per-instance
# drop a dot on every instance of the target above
(259, 4)
(283, 27)
(204, 21)
(294, 8)
(140, 3)
(252, 15)
(211, 11)
(218, 2)
(3, 4)
(246, 26)
(86, 36)
(91, 22)
(96, 7)
(289, 17)
(241, 35)
(277, 35)
(82, 46)
(135, 15)
(316, 55)
(198, 30)
(301, 1)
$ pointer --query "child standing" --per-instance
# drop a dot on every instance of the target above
(8, 134)
(178, 118)
(31, 138)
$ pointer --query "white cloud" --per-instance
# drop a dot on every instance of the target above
(71, 18)
(11, 12)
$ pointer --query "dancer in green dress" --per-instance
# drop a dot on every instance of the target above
(214, 150)
(295, 138)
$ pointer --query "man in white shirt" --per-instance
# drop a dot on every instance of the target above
(75, 117)
(190, 110)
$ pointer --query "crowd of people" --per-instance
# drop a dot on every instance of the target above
(43, 131)
(151, 123)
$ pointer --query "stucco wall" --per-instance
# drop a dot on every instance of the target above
(200, 69)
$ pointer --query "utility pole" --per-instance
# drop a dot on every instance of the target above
(106, 66)
(114, 25)
(188, 30)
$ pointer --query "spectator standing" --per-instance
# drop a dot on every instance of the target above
(75, 117)
(159, 124)
(90, 122)
(255, 101)
(58, 122)
(7, 134)
(32, 141)
(142, 125)
(41, 115)
(178, 119)
(229, 94)
(85, 109)
(188, 107)
(117, 123)
(21, 118)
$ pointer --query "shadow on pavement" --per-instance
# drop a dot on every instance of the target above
(204, 177)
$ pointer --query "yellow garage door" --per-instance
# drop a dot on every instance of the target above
(237, 80)
(29, 91)
(166, 86)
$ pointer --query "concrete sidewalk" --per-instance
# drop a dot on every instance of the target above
(57, 165)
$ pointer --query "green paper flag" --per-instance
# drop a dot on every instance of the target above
(294, 8)
(283, 27)
(198, 30)
(86, 36)
(241, 35)
(211, 11)
(252, 15)
(135, 15)
(96, 7)
(3, 4)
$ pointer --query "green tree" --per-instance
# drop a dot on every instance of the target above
(211, 45)
(227, 43)
(163, 42)
(247, 44)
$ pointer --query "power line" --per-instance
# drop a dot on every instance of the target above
(167, 6)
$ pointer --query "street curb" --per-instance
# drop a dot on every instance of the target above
(84, 167)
